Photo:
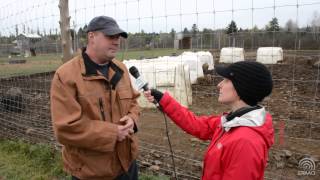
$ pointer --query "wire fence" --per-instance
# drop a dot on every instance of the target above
(30, 51)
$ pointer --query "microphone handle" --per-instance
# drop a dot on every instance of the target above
(155, 102)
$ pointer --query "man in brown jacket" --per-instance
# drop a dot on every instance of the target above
(94, 108)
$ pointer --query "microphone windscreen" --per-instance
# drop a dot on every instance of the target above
(134, 72)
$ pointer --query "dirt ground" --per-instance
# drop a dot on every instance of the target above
(294, 105)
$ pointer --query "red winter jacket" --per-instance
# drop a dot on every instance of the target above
(238, 148)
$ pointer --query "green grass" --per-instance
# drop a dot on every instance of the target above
(23, 161)
(50, 62)
(152, 177)
(136, 54)
(37, 64)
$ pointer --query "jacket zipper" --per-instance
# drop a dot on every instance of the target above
(219, 137)
(102, 109)
(109, 86)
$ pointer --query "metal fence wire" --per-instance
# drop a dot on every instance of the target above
(30, 52)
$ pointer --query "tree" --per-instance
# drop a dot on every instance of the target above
(17, 30)
(72, 33)
(38, 31)
(82, 32)
(207, 36)
(85, 27)
(185, 31)
(308, 28)
(273, 25)
(315, 24)
(194, 30)
(291, 26)
(172, 33)
(232, 27)
(255, 28)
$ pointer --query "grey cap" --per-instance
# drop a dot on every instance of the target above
(107, 25)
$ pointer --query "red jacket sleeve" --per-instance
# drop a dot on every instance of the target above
(201, 127)
(243, 161)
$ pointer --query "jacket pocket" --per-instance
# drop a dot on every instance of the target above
(125, 99)
(100, 164)
(101, 107)
(71, 159)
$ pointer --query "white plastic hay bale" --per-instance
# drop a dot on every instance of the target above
(269, 55)
(206, 57)
(172, 77)
(194, 60)
(231, 55)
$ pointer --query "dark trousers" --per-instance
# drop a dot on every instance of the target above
(131, 175)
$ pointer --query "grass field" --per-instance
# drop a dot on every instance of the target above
(23, 161)
(37, 64)
(50, 62)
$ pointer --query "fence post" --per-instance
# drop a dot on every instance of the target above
(65, 30)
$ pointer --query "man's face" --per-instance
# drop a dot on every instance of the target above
(105, 47)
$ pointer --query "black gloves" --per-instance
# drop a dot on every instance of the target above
(156, 94)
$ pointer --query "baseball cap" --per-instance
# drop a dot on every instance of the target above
(107, 25)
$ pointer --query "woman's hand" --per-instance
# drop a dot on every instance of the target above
(148, 96)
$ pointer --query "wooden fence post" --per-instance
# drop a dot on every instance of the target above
(65, 30)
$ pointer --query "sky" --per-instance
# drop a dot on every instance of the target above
(156, 15)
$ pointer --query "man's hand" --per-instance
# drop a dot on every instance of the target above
(126, 129)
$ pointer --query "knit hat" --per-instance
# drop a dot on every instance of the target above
(252, 80)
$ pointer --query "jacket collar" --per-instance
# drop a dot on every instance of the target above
(89, 69)
(90, 66)
(252, 118)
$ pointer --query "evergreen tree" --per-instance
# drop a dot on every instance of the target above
(273, 25)
(232, 27)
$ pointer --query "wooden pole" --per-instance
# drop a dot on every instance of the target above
(64, 22)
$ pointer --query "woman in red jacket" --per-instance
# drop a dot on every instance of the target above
(240, 139)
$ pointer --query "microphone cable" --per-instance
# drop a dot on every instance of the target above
(169, 142)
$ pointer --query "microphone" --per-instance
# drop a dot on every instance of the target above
(140, 82)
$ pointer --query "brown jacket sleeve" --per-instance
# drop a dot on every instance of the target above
(71, 128)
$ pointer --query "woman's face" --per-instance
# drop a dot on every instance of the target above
(227, 93)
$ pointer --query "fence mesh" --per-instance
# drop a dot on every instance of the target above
(30, 51)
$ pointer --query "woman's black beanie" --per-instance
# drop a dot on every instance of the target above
(252, 80)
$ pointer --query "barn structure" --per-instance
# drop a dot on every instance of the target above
(26, 43)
